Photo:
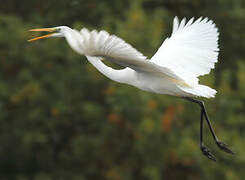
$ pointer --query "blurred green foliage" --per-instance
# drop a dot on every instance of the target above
(61, 119)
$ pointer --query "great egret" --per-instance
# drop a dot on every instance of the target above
(190, 52)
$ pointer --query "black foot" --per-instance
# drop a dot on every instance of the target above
(224, 147)
(207, 153)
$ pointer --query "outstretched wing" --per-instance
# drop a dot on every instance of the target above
(192, 49)
(116, 50)
(103, 44)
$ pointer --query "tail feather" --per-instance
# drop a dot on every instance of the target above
(200, 90)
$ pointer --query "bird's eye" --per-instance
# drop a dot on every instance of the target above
(58, 29)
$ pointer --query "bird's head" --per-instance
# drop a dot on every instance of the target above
(58, 31)
(73, 38)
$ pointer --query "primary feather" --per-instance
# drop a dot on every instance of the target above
(103, 44)
(191, 50)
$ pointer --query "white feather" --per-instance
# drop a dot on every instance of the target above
(191, 50)
(116, 50)
(103, 44)
(199, 90)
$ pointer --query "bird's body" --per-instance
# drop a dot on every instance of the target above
(147, 81)
(190, 52)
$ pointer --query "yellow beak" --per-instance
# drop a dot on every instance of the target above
(42, 37)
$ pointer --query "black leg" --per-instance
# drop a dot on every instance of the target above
(220, 144)
(201, 129)
(204, 149)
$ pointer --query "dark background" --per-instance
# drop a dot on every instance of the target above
(61, 119)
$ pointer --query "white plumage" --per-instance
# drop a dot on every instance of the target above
(103, 44)
(190, 52)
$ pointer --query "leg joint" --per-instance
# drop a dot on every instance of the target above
(201, 103)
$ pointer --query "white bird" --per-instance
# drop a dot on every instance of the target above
(190, 51)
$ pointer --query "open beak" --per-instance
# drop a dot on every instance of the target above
(45, 36)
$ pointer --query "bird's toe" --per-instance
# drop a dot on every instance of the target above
(224, 147)
(207, 153)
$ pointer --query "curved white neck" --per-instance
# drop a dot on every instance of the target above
(125, 75)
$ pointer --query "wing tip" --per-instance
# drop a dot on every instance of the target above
(175, 24)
